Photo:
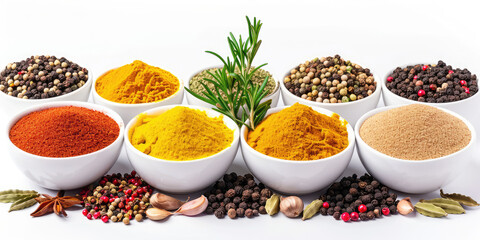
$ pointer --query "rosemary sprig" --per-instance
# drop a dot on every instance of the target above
(248, 95)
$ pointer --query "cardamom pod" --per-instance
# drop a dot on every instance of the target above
(465, 200)
(13, 195)
(272, 206)
(312, 209)
(430, 210)
(449, 205)
(23, 203)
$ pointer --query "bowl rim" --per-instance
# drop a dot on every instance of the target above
(262, 156)
(387, 91)
(105, 110)
(277, 83)
(87, 84)
(370, 113)
(321, 104)
(130, 147)
(133, 105)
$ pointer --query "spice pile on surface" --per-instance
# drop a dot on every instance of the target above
(415, 132)
(356, 198)
(299, 133)
(330, 80)
(117, 198)
(435, 83)
(42, 77)
(257, 78)
(237, 196)
(137, 82)
(181, 133)
(64, 132)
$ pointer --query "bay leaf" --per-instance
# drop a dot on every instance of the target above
(23, 203)
(312, 209)
(462, 199)
(13, 195)
(430, 210)
(450, 206)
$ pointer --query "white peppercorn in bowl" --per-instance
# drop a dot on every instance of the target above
(410, 176)
(66, 173)
(128, 111)
(466, 107)
(192, 100)
(351, 111)
(182, 176)
(12, 105)
(297, 177)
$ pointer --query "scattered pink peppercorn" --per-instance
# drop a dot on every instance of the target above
(362, 208)
(390, 79)
(105, 218)
(89, 216)
(450, 71)
(467, 90)
(326, 205)
(425, 67)
(463, 82)
(345, 217)
(433, 87)
(96, 215)
(85, 212)
(415, 77)
(421, 93)
(385, 211)
(354, 216)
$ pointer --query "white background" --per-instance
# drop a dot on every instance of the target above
(174, 35)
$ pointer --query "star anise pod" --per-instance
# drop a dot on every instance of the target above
(56, 204)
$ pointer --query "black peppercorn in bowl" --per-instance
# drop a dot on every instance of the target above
(42, 79)
(359, 91)
(437, 85)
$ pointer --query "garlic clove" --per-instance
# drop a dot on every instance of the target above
(193, 207)
(162, 201)
(157, 214)
(405, 206)
(291, 206)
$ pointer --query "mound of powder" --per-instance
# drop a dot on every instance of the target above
(415, 132)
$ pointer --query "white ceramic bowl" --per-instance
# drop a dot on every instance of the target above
(351, 111)
(192, 100)
(297, 177)
(182, 176)
(466, 107)
(129, 111)
(13, 105)
(69, 172)
(413, 176)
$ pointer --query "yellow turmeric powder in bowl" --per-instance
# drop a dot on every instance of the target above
(137, 82)
(181, 134)
(299, 133)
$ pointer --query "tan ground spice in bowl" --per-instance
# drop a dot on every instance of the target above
(415, 132)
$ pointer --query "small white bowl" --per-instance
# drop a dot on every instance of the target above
(192, 100)
(68, 172)
(128, 111)
(351, 111)
(297, 177)
(182, 176)
(466, 107)
(410, 176)
(13, 105)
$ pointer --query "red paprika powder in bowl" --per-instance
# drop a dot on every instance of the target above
(65, 145)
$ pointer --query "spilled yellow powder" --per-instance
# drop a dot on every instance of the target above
(299, 133)
(181, 134)
(137, 82)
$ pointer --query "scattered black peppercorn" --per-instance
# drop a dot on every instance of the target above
(237, 193)
(351, 192)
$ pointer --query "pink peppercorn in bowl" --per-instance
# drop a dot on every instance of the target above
(466, 107)
(65, 173)
(297, 177)
(411, 176)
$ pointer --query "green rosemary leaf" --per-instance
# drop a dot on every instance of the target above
(218, 56)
